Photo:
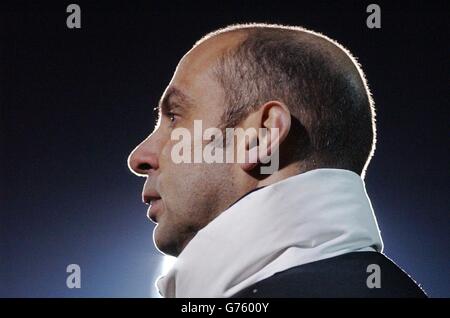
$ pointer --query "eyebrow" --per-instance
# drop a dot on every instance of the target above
(174, 98)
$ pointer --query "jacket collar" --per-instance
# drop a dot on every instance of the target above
(305, 218)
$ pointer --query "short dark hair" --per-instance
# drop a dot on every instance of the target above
(319, 81)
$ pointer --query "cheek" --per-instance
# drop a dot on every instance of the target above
(185, 190)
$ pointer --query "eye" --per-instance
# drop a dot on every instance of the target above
(171, 117)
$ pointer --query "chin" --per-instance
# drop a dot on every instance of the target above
(164, 242)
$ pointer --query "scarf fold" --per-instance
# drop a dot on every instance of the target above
(305, 218)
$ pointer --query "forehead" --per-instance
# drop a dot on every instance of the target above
(194, 80)
(204, 55)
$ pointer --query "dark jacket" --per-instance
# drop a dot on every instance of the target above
(341, 276)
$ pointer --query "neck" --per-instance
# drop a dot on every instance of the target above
(284, 173)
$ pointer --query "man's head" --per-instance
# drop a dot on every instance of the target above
(301, 83)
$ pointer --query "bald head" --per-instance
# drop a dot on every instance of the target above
(316, 77)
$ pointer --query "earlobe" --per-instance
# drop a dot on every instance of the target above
(251, 153)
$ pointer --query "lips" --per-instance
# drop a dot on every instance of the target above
(153, 199)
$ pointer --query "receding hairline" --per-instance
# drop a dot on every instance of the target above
(247, 28)
(316, 37)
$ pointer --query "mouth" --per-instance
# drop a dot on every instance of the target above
(154, 201)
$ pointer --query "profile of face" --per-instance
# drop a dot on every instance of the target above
(185, 196)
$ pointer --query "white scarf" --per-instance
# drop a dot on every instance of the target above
(305, 218)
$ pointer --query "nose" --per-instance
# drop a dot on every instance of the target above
(143, 159)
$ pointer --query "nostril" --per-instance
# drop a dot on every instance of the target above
(144, 166)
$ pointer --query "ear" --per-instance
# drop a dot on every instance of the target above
(272, 123)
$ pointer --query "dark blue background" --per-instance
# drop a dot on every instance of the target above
(74, 103)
